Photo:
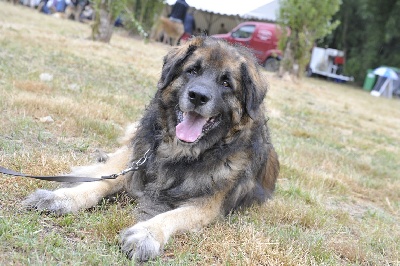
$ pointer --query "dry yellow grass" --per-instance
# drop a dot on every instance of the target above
(338, 196)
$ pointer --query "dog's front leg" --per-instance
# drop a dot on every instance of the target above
(145, 240)
(83, 195)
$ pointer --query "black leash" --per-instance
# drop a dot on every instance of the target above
(71, 179)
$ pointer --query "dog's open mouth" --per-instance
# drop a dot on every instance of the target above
(192, 125)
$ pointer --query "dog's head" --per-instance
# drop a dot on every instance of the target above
(208, 88)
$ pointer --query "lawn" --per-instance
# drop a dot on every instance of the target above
(338, 196)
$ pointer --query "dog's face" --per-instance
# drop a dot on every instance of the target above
(208, 89)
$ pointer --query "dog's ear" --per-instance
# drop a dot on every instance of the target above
(174, 60)
(254, 87)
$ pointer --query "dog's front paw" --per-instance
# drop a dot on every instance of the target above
(138, 243)
(44, 200)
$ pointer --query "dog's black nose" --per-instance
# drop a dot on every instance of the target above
(198, 98)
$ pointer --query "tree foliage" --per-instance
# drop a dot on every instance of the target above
(137, 14)
(308, 21)
(143, 13)
(369, 34)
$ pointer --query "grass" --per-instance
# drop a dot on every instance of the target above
(337, 200)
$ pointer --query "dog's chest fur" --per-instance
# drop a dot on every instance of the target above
(171, 177)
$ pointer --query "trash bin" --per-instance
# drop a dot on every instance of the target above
(370, 80)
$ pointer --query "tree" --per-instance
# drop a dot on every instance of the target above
(368, 34)
(308, 21)
(106, 12)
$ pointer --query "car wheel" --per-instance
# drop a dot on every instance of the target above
(271, 64)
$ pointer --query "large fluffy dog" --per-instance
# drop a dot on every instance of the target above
(210, 149)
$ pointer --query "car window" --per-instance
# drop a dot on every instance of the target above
(244, 32)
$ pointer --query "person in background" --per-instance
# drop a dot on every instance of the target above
(53, 6)
(189, 25)
(179, 10)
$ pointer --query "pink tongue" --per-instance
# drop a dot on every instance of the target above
(190, 128)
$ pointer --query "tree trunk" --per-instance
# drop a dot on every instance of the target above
(288, 64)
(103, 26)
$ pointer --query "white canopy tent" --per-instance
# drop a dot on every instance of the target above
(387, 88)
(268, 11)
(225, 7)
(210, 14)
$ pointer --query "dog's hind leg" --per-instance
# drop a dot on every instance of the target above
(83, 195)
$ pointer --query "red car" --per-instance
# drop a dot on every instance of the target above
(261, 37)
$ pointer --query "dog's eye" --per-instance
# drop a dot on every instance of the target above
(226, 84)
(192, 71)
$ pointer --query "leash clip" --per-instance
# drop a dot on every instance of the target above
(136, 166)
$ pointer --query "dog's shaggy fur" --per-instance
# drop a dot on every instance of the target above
(211, 151)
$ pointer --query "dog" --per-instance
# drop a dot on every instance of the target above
(169, 29)
(209, 149)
